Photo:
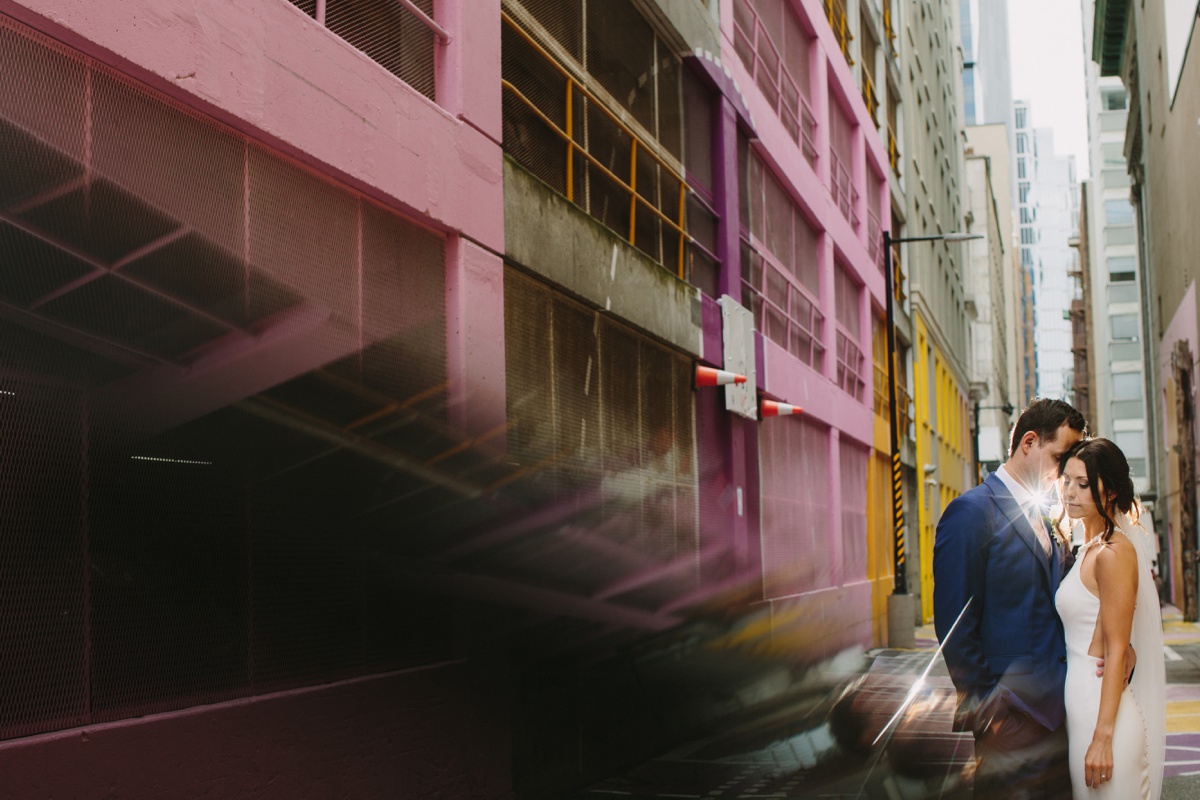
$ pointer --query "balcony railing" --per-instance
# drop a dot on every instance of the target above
(578, 123)
(784, 311)
(893, 151)
(399, 35)
(898, 288)
(882, 409)
(868, 93)
(845, 196)
(889, 30)
(849, 366)
(874, 237)
(904, 411)
(836, 11)
(787, 96)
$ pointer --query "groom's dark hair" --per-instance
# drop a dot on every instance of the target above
(1044, 417)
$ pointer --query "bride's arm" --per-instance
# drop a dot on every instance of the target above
(1116, 578)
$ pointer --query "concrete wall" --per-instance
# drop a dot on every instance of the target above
(551, 236)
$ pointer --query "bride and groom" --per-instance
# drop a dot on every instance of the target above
(1040, 643)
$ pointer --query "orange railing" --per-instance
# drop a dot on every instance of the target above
(836, 10)
(889, 30)
(868, 93)
(638, 146)
(893, 151)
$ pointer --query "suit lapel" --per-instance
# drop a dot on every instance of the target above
(1020, 523)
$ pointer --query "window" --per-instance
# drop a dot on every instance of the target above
(1132, 443)
(1026, 257)
(779, 263)
(1121, 268)
(1022, 142)
(1128, 409)
(1126, 351)
(1124, 326)
(1118, 212)
(1027, 215)
(774, 49)
(1023, 193)
(1115, 178)
(1113, 153)
(1127, 386)
(1113, 99)
(1020, 168)
(1027, 235)
(1021, 110)
(849, 356)
(1122, 293)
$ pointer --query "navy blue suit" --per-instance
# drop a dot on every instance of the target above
(1007, 653)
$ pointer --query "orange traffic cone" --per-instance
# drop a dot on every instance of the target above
(708, 376)
(772, 409)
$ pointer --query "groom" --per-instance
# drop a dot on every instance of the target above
(996, 568)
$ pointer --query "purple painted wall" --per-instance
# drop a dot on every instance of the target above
(436, 732)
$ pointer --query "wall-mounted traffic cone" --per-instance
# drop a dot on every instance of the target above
(770, 408)
(708, 376)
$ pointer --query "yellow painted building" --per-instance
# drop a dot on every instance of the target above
(943, 447)
(880, 557)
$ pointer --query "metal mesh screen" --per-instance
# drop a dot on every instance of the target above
(604, 419)
(854, 461)
(390, 35)
(795, 500)
(222, 385)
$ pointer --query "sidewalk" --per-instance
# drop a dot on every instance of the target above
(1181, 642)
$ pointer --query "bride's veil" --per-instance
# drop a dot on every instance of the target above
(1149, 675)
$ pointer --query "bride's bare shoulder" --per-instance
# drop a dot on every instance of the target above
(1118, 553)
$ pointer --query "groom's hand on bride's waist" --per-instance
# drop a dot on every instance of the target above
(1130, 663)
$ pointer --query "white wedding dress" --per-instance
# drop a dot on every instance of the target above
(1139, 737)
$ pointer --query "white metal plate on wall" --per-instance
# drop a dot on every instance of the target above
(737, 336)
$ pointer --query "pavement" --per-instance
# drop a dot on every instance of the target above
(881, 732)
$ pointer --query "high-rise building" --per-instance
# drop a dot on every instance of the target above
(987, 78)
(1147, 46)
(1047, 208)
(934, 187)
(991, 291)
(1114, 279)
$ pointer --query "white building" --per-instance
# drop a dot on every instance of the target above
(1116, 348)
(1048, 216)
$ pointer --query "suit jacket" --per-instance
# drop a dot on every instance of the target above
(1007, 652)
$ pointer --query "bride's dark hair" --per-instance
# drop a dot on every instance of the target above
(1105, 463)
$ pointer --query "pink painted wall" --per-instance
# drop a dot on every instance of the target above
(429, 733)
(264, 67)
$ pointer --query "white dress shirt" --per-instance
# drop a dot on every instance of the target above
(1028, 503)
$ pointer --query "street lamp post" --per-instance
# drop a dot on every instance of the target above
(901, 608)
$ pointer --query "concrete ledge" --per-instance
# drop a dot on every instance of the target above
(554, 238)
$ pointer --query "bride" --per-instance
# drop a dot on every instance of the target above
(1116, 734)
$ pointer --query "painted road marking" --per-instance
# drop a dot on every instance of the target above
(1183, 716)
(1171, 654)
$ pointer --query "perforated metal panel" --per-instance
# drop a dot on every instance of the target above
(222, 400)
(604, 419)
(796, 551)
(854, 460)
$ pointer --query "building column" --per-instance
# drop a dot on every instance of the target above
(834, 482)
(475, 343)
(826, 273)
(819, 62)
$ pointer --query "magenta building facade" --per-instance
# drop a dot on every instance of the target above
(349, 383)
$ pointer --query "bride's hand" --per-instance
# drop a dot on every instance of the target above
(1098, 763)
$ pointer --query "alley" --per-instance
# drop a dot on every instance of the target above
(794, 755)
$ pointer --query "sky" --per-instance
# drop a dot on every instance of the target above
(1046, 39)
